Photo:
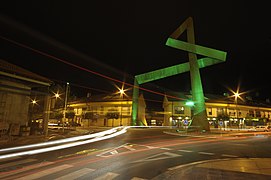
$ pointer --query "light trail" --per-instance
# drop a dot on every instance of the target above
(66, 140)
(38, 151)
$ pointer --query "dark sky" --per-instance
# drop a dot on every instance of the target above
(122, 38)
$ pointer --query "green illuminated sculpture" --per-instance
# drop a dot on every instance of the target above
(213, 56)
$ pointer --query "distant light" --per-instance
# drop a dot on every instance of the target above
(57, 95)
(121, 91)
(189, 103)
(34, 101)
(236, 94)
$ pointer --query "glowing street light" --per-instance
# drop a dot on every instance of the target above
(34, 101)
(121, 91)
(237, 95)
(57, 95)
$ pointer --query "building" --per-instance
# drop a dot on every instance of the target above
(221, 111)
(106, 110)
(16, 88)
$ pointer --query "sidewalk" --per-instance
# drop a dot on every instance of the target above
(215, 133)
(241, 168)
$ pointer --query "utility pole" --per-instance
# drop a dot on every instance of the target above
(65, 106)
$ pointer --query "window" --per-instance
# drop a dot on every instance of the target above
(178, 110)
(251, 113)
(258, 113)
(209, 111)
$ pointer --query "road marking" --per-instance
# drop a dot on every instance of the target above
(160, 156)
(206, 153)
(76, 174)
(27, 168)
(114, 152)
(129, 147)
(17, 163)
(111, 152)
(228, 155)
(182, 150)
(166, 148)
(107, 176)
(45, 172)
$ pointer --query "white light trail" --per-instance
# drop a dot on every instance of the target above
(66, 140)
(37, 151)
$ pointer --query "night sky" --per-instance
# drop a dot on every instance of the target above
(121, 39)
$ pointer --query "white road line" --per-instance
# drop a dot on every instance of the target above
(166, 148)
(45, 172)
(160, 156)
(107, 176)
(228, 155)
(27, 168)
(17, 163)
(182, 150)
(206, 153)
(110, 151)
(129, 148)
(76, 174)
(114, 152)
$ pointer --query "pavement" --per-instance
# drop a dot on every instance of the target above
(241, 168)
(230, 168)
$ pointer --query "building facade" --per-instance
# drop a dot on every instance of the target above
(16, 88)
(106, 110)
(221, 112)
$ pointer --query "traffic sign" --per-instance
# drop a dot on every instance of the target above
(185, 122)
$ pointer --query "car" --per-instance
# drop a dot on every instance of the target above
(263, 128)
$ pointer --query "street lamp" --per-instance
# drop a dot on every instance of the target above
(237, 95)
(33, 102)
(65, 105)
(121, 91)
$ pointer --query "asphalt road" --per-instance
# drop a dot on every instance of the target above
(138, 154)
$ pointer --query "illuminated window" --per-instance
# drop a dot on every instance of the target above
(178, 110)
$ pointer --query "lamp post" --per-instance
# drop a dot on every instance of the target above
(121, 91)
(236, 96)
(47, 111)
(33, 102)
(65, 106)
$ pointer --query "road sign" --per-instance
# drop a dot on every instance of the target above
(185, 122)
(221, 123)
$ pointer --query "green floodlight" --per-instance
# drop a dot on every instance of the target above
(190, 103)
